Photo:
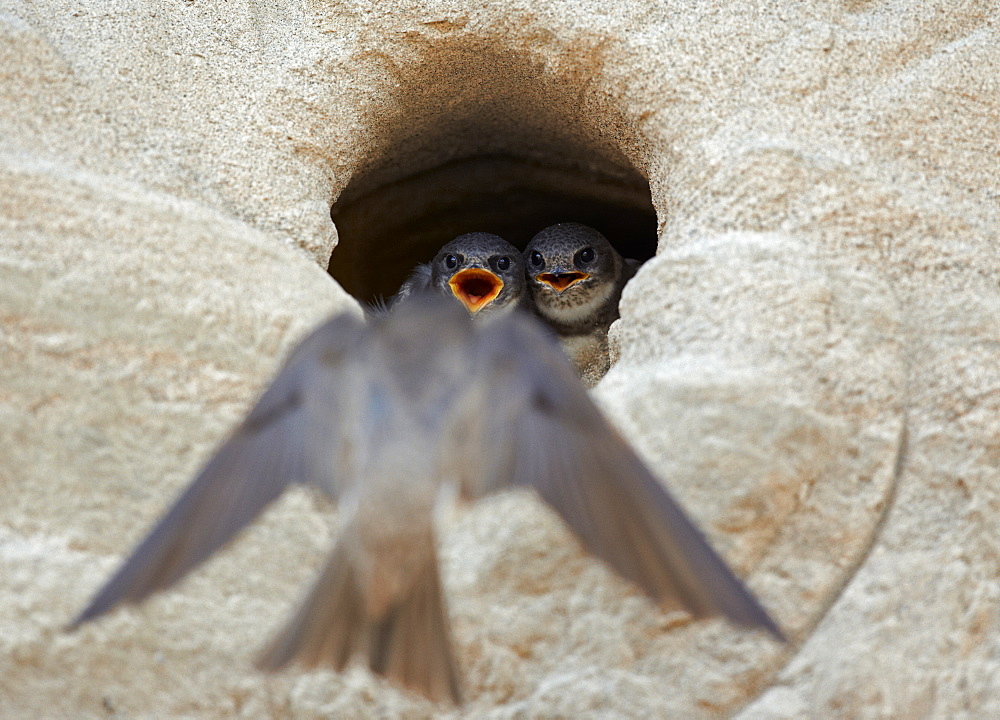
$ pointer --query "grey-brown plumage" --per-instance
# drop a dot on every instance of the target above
(575, 280)
(384, 416)
(484, 272)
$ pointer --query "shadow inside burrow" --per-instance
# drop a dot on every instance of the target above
(485, 141)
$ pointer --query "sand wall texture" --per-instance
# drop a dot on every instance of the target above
(811, 360)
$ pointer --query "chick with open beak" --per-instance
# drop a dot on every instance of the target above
(484, 272)
(575, 279)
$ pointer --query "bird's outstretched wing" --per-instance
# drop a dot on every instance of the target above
(542, 430)
(289, 436)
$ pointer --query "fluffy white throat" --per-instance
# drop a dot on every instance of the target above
(580, 311)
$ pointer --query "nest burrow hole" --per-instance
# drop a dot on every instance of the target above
(507, 152)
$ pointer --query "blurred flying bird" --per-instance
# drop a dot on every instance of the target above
(389, 417)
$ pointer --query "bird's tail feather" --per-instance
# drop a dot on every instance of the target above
(410, 643)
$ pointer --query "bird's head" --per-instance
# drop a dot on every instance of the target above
(482, 271)
(568, 264)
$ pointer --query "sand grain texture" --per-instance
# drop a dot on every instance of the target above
(811, 361)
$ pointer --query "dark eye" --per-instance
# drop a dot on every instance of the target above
(451, 262)
(586, 255)
(536, 258)
(503, 263)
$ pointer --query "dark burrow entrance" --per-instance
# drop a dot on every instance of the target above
(386, 230)
(482, 140)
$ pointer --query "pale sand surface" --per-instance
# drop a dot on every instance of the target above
(811, 361)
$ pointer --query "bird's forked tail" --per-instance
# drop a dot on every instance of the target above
(409, 643)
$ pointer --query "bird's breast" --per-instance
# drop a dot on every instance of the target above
(579, 306)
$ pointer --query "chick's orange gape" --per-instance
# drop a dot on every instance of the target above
(561, 281)
(475, 287)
